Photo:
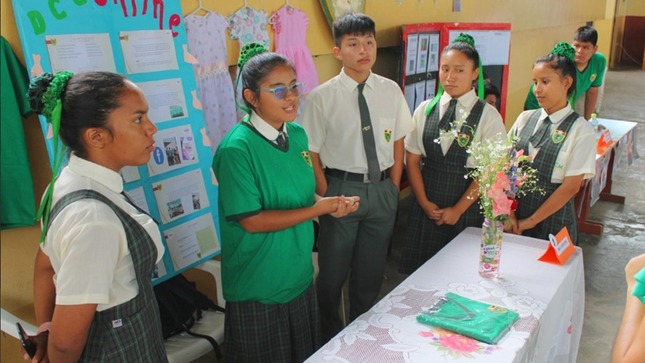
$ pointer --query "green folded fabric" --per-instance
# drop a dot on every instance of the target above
(474, 319)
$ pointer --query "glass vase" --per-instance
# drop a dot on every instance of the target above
(491, 248)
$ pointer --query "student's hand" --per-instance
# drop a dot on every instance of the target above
(430, 209)
(523, 225)
(510, 225)
(346, 205)
(449, 215)
(41, 348)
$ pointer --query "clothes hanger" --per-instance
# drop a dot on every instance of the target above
(200, 7)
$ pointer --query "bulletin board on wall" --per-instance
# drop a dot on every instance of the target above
(146, 42)
(422, 46)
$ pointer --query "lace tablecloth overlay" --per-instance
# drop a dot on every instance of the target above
(389, 332)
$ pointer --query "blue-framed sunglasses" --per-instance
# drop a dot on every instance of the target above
(281, 92)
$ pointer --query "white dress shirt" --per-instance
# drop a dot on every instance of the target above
(86, 243)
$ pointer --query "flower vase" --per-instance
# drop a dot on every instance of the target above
(491, 247)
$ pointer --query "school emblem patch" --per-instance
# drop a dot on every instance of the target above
(463, 140)
(388, 135)
(558, 136)
(307, 157)
(593, 77)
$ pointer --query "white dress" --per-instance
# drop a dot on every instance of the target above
(207, 39)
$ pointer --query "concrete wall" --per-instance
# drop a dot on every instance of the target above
(536, 26)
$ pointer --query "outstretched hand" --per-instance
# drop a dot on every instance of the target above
(338, 206)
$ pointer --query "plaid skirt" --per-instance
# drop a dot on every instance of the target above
(256, 332)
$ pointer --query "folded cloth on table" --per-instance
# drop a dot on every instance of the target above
(474, 319)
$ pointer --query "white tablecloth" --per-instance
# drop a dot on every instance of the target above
(549, 299)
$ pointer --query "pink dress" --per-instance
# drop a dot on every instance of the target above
(290, 26)
(207, 39)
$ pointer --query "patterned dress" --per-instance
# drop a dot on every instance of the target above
(207, 40)
(248, 25)
(289, 25)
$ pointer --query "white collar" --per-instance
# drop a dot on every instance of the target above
(351, 84)
(465, 100)
(263, 127)
(111, 179)
(557, 116)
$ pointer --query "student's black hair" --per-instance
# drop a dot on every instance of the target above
(468, 50)
(87, 100)
(491, 89)
(352, 24)
(562, 62)
(257, 68)
(587, 34)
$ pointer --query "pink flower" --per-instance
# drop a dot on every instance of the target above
(426, 334)
(501, 203)
(459, 343)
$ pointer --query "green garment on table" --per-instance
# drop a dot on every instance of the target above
(17, 206)
(592, 76)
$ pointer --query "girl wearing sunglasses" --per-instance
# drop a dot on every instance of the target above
(266, 203)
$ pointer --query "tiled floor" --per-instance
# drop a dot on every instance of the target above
(604, 256)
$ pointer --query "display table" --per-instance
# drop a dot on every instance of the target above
(623, 133)
(549, 299)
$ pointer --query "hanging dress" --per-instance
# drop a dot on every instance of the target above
(207, 39)
(248, 25)
(289, 25)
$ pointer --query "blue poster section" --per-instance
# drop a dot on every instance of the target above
(177, 186)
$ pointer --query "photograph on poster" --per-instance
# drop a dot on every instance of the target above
(413, 41)
(80, 52)
(189, 241)
(174, 149)
(187, 148)
(422, 56)
(433, 62)
(148, 51)
(165, 99)
(174, 196)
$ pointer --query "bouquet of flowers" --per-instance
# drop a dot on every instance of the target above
(503, 173)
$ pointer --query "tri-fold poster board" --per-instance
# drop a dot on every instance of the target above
(145, 41)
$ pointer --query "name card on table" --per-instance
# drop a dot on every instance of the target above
(560, 248)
